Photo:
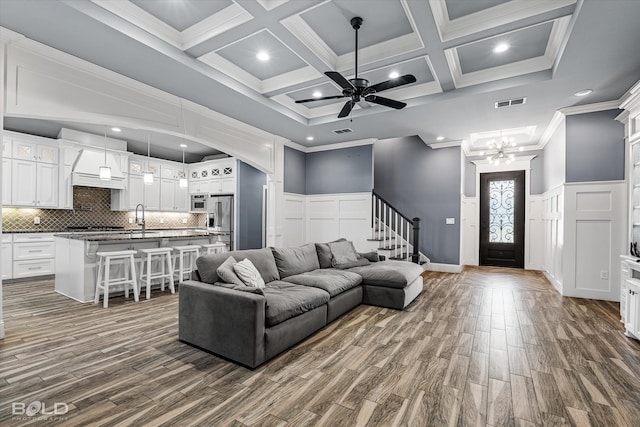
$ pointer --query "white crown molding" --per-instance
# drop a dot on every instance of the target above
(142, 19)
(492, 17)
(303, 32)
(340, 145)
(224, 20)
(631, 99)
(296, 146)
(271, 4)
(590, 108)
(518, 163)
(7, 36)
(556, 121)
(437, 145)
(527, 66)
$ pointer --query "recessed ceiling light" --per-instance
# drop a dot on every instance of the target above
(317, 94)
(440, 138)
(309, 138)
(183, 145)
(583, 92)
(116, 129)
(394, 75)
(502, 47)
(263, 56)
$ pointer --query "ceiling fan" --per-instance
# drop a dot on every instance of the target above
(358, 89)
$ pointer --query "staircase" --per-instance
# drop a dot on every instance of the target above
(395, 233)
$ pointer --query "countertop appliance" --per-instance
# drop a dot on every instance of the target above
(199, 203)
(220, 218)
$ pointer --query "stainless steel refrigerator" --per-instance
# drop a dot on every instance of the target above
(220, 218)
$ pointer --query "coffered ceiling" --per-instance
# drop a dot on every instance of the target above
(206, 51)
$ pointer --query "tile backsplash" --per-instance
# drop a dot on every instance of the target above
(92, 207)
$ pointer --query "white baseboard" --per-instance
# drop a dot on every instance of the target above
(444, 268)
(553, 281)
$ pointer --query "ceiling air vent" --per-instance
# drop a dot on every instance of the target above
(341, 131)
(510, 102)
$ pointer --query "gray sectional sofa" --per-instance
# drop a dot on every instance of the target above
(304, 291)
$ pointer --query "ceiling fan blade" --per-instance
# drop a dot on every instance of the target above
(340, 80)
(386, 102)
(346, 109)
(400, 81)
(319, 99)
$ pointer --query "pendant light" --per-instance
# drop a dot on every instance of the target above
(105, 171)
(183, 181)
(147, 177)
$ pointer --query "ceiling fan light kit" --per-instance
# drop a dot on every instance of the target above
(358, 89)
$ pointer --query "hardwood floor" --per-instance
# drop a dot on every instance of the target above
(489, 346)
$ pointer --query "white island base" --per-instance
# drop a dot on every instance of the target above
(76, 261)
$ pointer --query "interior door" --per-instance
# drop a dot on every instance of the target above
(502, 219)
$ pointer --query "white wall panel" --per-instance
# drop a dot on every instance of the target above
(552, 216)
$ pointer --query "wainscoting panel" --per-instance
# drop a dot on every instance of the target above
(534, 234)
(326, 217)
(595, 235)
(552, 216)
(469, 231)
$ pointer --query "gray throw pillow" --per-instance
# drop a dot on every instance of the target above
(370, 256)
(226, 273)
(324, 253)
(342, 253)
(360, 262)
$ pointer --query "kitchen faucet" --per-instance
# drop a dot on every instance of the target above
(140, 221)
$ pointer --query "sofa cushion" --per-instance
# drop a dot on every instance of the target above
(324, 253)
(291, 261)
(227, 274)
(391, 274)
(248, 273)
(370, 256)
(332, 281)
(242, 288)
(262, 259)
(286, 300)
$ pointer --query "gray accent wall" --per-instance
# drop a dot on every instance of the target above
(294, 171)
(425, 183)
(249, 228)
(346, 170)
(554, 164)
(594, 147)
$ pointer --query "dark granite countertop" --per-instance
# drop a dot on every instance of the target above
(135, 235)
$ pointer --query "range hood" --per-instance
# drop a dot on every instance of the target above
(86, 168)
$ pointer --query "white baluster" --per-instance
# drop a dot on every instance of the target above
(408, 231)
(373, 216)
(395, 232)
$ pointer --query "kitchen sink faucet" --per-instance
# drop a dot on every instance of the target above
(140, 221)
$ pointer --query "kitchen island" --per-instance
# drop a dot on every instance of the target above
(75, 262)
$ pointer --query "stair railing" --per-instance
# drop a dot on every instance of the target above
(393, 226)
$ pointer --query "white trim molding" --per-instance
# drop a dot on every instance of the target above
(329, 147)
(444, 268)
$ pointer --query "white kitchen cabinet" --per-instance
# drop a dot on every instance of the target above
(6, 147)
(34, 184)
(134, 192)
(31, 150)
(152, 195)
(6, 182)
(33, 255)
(7, 257)
(172, 197)
(632, 321)
(223, 186)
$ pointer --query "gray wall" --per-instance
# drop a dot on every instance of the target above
(424, 183)
(294, 171)
(347, 170)
(595, 147)
(554, 159)
(249, 229)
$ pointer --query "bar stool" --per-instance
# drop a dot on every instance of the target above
(180, 267)
(105, 260)
(215, 248)
(163, 255)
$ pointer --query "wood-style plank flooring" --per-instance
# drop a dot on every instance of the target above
(486, 347)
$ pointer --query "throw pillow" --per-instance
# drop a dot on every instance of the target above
(371, 256)
(292, 261)
(324, 253)
(360, 262)
(342, 253)
(226, 273)
(248, 273)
